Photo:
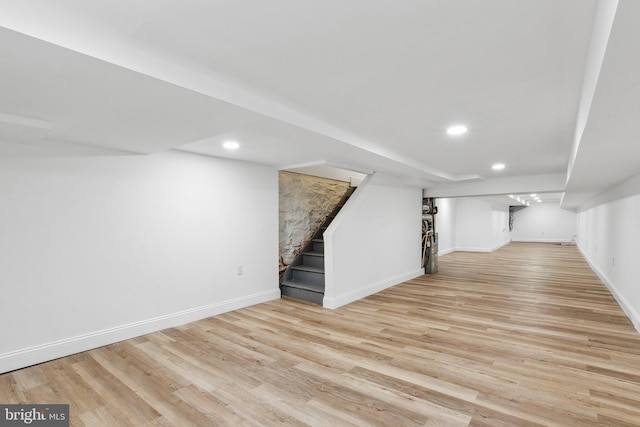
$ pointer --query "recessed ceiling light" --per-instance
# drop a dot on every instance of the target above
(534, 195)
(457, 130)
(231, 145)
(498, 166)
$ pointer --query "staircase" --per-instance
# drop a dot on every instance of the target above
(304, 278)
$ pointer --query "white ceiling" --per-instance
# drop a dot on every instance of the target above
(367, 86)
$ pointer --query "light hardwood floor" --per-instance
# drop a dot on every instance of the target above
(524, 336)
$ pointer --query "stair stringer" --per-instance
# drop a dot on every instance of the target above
(370, 245)
(328, 300)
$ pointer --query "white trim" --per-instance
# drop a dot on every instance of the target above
(470, 249)
(466, 249)
(499, 245)
(446, 251)
(543, 240)
(65, 347)
(357, 294)
(628, 309)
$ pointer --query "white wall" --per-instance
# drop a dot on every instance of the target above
(446, 225)
(544, 222)
(480, 226)
(96, 250)
(609, 238)
(374, 242)
(500, 234)
(473, 225)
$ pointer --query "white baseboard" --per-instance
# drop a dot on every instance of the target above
(360, 293)
(543, 240)
(475, 249)
(446, 251)
(472, 249)
(72, 345)
(628, 309)
(499, 245)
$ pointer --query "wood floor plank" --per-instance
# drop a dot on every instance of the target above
(524, 336)
(126, 404)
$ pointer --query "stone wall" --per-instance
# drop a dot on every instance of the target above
(304, 201)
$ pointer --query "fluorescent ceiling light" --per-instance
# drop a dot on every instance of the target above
(231, 145)
(498, 166)
(457, 130)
